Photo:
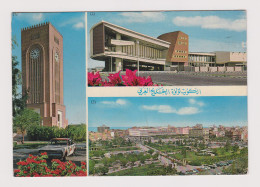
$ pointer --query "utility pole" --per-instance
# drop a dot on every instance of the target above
(137, 42)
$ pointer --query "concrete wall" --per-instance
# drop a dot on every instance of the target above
(197, 69)
(238, 57)
(230, 69)
(204, 69)
(225, 57)
(221, 69)
(213, 69)
(222, 57)
(238, 68)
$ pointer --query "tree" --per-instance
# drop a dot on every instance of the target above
(227, 146)
(19, 100)
(151, 151)
(25, 119)
(184, 152)
(235, 148)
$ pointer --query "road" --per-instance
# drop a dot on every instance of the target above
(77, 158)
(193, 79)
(197, 79)
(180, 168)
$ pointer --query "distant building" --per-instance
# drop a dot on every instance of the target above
(234, 134)
(102, 128)
(121, 48)
(196, 131)
(95, 136)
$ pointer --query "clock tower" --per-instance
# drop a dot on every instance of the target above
(42, 73)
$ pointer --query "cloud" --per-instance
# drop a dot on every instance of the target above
(75, 22)
(32, 18)
(78, 25)
(211, 22)
(188, 111)
(160, 108)
(195, 102)
(168, 109)
(141, 17)
(118, 102)
(209, 45)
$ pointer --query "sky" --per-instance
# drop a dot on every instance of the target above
(72, 28)
(163, 111)
(208, 31)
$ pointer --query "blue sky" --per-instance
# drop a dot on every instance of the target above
(208, 31)
(72, 27)
(161, 111)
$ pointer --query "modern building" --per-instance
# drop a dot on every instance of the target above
(177, 54)
(42, 73)
(202, 59)
(103, 128)
(231, 59)
(121, 49)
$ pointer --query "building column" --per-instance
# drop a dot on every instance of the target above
(118, 64)
(118, 48)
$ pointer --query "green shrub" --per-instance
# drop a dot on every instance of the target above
(43, 133)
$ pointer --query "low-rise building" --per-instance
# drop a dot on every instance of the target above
(102, 128)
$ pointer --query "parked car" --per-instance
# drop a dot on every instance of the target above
(59, 148)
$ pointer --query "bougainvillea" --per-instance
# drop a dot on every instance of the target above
(129, 79)
(94, 79)
(36, 166)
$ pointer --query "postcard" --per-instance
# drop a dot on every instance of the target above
(129, 93)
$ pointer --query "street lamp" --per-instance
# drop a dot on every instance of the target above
(137, 42)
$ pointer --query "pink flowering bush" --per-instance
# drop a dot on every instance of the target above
(129, 79)
(94, 79)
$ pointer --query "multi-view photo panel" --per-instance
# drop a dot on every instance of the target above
(139, 93)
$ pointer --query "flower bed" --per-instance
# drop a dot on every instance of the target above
(36, 166)
(129, 79)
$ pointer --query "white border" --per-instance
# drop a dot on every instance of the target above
(252, 179)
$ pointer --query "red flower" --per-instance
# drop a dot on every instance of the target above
(83, 163)
(17, 170)
(44, 153)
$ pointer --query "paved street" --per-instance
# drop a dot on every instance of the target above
(77, 158)
(197, 79)
(194, 79)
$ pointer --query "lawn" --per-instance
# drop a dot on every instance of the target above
(200, 160)
(122, 149)
(138, 171)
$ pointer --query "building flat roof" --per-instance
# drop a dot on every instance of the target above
(202, 53)
(133, 33)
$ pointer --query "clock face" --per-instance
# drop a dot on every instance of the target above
(56, 56)
(35, 53)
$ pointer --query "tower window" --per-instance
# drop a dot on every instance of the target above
(56, 40)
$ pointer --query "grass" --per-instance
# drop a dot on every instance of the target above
(193, 158)
(122, 149)
(138, 171)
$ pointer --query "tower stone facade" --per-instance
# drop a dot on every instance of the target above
(42, 73)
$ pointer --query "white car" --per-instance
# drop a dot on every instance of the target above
(59, 148)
